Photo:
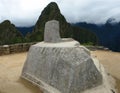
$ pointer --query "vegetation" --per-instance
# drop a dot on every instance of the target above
(9, 34)
(84, 36)
(108, 34)
(52, 12)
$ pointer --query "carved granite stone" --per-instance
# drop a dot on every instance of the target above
(62, 67)
(51, 33)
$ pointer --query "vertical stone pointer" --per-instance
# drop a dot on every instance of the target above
(51, 33)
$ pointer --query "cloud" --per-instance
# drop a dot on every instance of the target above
(26, 12)
(21, 12)
(92, 11)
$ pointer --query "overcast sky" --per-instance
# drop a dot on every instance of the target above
(26, 12)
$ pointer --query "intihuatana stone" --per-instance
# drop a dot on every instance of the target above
(51, 33)
(62, 67)
(68, 68)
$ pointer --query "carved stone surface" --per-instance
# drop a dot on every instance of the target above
(63, 67)
(51, 33)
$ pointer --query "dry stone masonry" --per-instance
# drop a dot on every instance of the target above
(15, 48)
(60, 65)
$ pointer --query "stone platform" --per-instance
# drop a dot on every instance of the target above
(63, 67)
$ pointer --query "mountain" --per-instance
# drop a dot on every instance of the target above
(9, 34)
(52, 12)
(25, 30)
(49, 13)
(108, 34)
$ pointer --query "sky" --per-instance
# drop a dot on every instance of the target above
(26, 12)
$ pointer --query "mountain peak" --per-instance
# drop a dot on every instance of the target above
(111, 21)
(52, 4)
(7, 22)
(9, 34)
(50, 7)
(50, 12)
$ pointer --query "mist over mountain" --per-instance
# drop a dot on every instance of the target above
(108, 34)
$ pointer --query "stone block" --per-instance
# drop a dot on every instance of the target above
(64, 66)
(51, 33)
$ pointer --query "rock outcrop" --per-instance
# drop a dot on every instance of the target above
(61, 67)
(52, 32)
(64, 66)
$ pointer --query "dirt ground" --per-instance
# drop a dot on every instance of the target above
(111, 62)
(11, 67)
(10, 71)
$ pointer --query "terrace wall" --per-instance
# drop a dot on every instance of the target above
(14, 48)
(24, 47)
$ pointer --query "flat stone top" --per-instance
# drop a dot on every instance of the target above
(65, 42)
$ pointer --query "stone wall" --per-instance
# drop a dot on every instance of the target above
(93, 48)
(15, 48)
(23, 47)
